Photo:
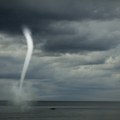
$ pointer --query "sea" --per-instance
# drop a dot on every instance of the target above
(60, 110)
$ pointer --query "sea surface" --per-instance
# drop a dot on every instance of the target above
(60, 110)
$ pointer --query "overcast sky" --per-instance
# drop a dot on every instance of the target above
(76, 48)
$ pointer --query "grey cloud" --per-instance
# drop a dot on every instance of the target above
(66, 8)
(69, 44)
(32, 12)
(53, 80)
(11, 67)
(82, 36)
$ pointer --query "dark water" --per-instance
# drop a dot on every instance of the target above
(60, 111)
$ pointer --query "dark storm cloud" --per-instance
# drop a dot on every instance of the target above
(72, 37)
(40, 14)
(69, 44)
(15, 13)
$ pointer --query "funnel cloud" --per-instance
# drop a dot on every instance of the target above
(27, 34)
